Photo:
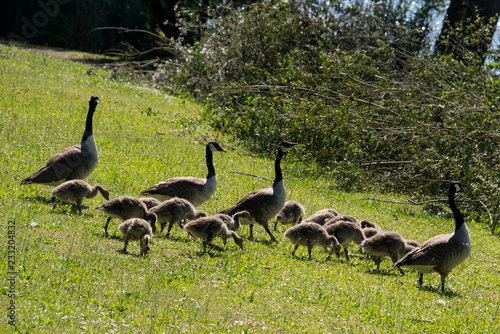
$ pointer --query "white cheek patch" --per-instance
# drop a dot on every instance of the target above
(457, 187)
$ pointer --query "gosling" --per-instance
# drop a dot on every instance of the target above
(150, 202)
(137, 229)
(233, 223)
(126, 207)
(386, 243)
(345, 232)
(321, 216)
(292, 213)
(175, 211)
(76, 190)
(209, 228)
(310, 235)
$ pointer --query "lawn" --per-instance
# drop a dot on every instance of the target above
(64, 276)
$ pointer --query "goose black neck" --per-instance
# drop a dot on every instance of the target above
(210, 162)
(459, 219)
(88, 123)
(277, 167)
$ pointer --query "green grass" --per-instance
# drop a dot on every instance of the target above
(72, 279)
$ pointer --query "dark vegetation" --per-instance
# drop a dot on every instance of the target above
(358, 86)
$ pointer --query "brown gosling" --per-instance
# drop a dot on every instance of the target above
(371, 231)
(175, 211)
(233, 223)
(264, 204)
(368, 224)
(126, 207)
(342, 217)
(345, 232)
(443, 252)
(209, 228)
(72, 163)
(310, 235)
(386, 243)
(150, 202)
(137, 229)
(76, 190)
(292, 213)
(321, 216)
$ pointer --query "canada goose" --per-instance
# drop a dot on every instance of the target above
(443, 252)
(137, 229)
(150, 202)
(233, 223)
(126, 207)
(385, 243)
(209, 228)
(174, 211)
(368, 224)
(345, 232)
(310, 235)
(263, 204)
(292, 213)
(74, 162)
(194, 189)
(321, 216)
(76, 190)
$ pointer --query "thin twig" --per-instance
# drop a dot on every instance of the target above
(252, 175)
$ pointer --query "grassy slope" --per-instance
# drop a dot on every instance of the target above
(70, 278)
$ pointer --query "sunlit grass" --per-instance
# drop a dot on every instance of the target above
(72, 279)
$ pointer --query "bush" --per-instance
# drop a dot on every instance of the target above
(353, 86)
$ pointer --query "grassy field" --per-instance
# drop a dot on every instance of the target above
(70, 278)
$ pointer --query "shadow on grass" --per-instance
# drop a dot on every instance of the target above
(39, 199)
(120, 251)
(446, 293)
(384, 272)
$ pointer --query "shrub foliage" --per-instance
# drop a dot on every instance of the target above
(356, 88)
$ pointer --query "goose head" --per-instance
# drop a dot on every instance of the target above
(94, 101)
(215, 147)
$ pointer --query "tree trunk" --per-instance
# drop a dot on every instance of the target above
(458, 39)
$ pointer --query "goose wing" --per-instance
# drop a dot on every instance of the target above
(430, 253)
(59, 168)
(259, 203)
(182, 187)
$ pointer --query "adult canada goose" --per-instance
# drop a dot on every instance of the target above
(385, 243)
(321, 216)
(291, 213)
(443, 252)
(137, 229)
(345, 231)
(74, 162)
(174, 211)
(194, 189)
(76, 190)
(209, 228)
(263, 204)
(126, 207)
(310, 235)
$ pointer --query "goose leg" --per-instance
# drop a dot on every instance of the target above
(251, 232)
(106, 226)
(309, 249)
(169, 228)
(270, 234)
(294, 249)
(124, 251)
(421, 279)
(346, 252)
